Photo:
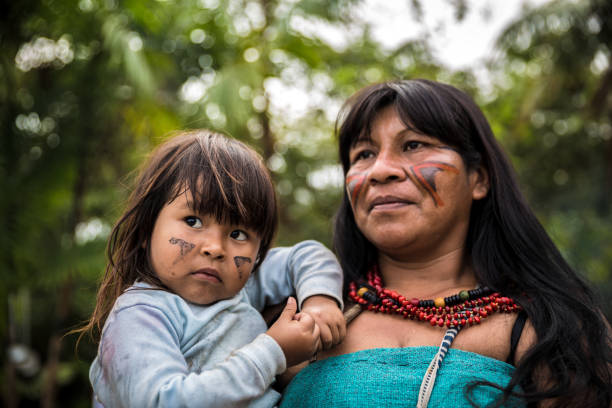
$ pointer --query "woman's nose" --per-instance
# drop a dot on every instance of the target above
(386, 168)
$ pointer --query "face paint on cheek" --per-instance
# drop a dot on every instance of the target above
(424, 174)
(239, 261)
(354, 185)
(185, 246)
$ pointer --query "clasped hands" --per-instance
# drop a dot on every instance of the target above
(318, 326)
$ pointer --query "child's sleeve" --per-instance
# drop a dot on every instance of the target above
(140, 364)
(303, 270)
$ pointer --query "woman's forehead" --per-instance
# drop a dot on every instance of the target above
(387, 122)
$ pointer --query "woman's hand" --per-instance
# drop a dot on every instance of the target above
(328, 316)
(296, 333)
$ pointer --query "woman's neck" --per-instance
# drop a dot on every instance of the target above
(427, 278)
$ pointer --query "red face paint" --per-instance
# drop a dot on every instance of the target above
(425, 172)
(354, 185)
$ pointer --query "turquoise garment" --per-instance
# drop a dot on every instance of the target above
(391, 377)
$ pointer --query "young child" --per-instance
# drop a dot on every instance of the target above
(180, 316)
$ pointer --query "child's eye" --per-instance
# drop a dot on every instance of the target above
(413, 145)
(193, 222)
(238, 235)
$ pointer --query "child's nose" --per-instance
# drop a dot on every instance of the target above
(213, 248)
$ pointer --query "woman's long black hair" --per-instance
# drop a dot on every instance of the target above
(507, 246)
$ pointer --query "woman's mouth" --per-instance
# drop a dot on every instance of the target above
(388, 203)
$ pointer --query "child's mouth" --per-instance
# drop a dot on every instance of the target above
(207, 274)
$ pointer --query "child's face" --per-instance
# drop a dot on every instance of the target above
(199, 259)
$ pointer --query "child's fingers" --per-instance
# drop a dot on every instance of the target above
(335, 334)
(337, 331)
(327, 336)
(316, 332)
(306, 321)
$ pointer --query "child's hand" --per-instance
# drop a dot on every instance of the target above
(297, 334)
(328, 316)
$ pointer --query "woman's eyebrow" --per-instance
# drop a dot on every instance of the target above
(413, 131)
(359, 142)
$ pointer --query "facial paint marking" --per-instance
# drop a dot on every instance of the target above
(239, 261)
(185, 246)
(425, 173)
(354, 185)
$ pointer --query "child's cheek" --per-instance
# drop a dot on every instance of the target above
(242, 264)
(185, 248)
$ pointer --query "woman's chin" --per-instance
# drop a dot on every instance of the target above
(392, 242)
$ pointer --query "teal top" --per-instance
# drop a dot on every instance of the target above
(391, 377)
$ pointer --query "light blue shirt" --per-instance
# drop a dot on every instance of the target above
(158, 350)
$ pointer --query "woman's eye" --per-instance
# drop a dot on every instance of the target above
(413, 145)
(193, 222)
(364, 154)
(238, 235)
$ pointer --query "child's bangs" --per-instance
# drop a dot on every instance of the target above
(227, 183)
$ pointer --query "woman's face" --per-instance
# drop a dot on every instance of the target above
(410, 193)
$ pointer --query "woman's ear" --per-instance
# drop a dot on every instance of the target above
(479, 179)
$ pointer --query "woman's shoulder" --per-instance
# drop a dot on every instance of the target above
(527, 339)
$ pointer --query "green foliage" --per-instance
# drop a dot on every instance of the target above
(88, 88)
(554, 113)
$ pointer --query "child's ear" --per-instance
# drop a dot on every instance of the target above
(479, 180)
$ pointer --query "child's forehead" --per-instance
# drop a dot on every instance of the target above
(184, 198)
(184, 192)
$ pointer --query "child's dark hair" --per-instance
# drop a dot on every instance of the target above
(227, 180)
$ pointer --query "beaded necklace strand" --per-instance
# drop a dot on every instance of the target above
(466, 308)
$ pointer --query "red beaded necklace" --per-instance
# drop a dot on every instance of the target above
(467, 307)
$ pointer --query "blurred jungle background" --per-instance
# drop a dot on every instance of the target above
(89, 87)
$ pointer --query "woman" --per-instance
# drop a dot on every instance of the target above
(432, 212)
